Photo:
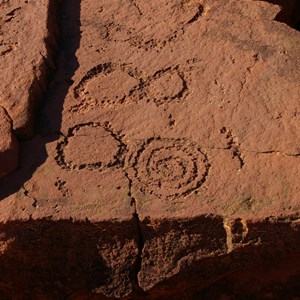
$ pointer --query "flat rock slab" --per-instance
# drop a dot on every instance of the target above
(25, 50)
(182, 114)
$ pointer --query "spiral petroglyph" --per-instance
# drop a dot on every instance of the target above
(170, 168)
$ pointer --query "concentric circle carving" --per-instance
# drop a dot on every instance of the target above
(170, 168)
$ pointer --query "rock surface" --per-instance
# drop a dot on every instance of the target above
(9, 146)
(167, 154)
(27, 42)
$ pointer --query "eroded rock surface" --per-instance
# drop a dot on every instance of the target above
(173, 128)
(27, 42)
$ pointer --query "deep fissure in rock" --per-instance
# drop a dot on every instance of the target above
(68, 40)
(139, 241)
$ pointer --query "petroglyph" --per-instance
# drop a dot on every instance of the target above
(112, 85)
(105, 85)
(90, 146)
(148, 27)
(169, 168)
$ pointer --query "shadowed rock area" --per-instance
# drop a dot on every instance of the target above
(9, 146)
(158, 151)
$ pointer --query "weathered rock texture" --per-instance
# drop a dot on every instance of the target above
(27, 40)
(167, 156)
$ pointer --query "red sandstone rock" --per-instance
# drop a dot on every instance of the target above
(26, 43)
(9, 146)
(178, 140)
